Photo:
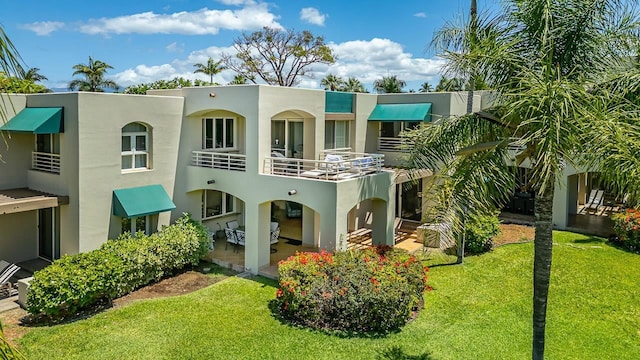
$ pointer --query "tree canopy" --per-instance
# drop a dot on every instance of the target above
(278, 57)
(562, 76)
(211, 68)
(93, 74)
(389, 84)
(16, 85)
(175, 83)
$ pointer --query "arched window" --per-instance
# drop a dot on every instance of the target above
(135, 146)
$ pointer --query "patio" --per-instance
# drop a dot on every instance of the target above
(228, 255)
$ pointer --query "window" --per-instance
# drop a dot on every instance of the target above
(133, 225)
(336, 134)
(219, 133)
(392, 129)
(135, 146)
(215, 203)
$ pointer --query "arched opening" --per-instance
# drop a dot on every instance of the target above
(293, 134)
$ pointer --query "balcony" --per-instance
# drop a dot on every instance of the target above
(394, 144)
(46, 162)
(219, 160)
(336, 165)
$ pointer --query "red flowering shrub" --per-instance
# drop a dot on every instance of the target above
(626, 225)
(365, 291)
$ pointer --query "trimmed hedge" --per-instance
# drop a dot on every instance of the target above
(367, 291)
(76, 282)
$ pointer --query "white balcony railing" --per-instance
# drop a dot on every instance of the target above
(394, 144)
(335, 166)
(45, 162)
(219, 160)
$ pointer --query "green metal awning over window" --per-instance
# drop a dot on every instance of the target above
(37, 120)
(401, 112)
(141, 201)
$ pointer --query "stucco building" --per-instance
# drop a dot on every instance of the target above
(81, 168)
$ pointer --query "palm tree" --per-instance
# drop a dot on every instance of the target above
(353, 85)
(426, 87)
(449, 84)
(9, 64)
(552, 64)
(238, 80)
(211, 68)
(389, 84)
(33, 74)
(332, 82)
(93, 74)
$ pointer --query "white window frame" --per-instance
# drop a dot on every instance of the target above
(134, 220)
(333, 141)
(223, 206)
(224, 146)
(287, 151)
(134, 152)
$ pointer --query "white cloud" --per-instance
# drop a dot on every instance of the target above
(373, 59)
(237, 2)
(43, 28)
(178, 67)
(175, 47)
(199, 22)
(365, 60)
(312, 16)
(420, 15)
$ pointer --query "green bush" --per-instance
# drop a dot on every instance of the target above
(480, 229)
(626, 226)
(367, 291)
(77, 282)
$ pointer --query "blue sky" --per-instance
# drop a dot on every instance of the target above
(147, 40)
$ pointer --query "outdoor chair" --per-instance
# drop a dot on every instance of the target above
(3, 266)
(6, 287)
(231, 237)
(595, 201)
(294, 210)
(240, 237)
(275, 233)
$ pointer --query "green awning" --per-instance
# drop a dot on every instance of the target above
(37, 120)
(141, 201)
(401, 112)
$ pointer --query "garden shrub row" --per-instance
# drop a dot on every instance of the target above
(76, 282)
(360, 291)
(626, 226)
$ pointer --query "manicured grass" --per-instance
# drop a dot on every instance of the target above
(477, 311)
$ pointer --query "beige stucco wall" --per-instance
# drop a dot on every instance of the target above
(15, 148)
(101, 119)
(18, 236)
(256, 106)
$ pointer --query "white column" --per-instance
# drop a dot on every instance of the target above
(257, 235)
(382, 226)
(308, 226)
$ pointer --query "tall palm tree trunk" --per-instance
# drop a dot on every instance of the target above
(543, 244)
(473, 20)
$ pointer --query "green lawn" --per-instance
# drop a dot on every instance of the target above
(477, 311)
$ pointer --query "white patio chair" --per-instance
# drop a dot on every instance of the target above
(231, 237)
(6, 287)
(233, 224)
(275, 233)
(597, 200)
